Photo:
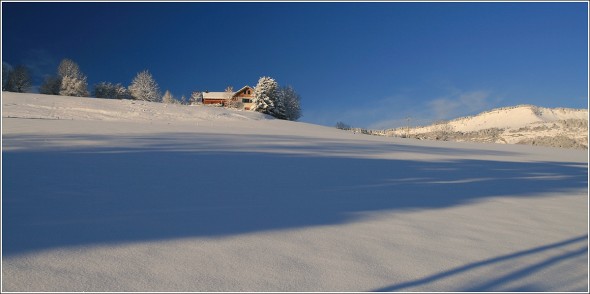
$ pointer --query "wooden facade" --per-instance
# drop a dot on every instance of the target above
(244, 95)
(214, 101)
(215, 97)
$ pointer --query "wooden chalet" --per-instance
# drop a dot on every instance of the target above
(215, 97)
(244, 95)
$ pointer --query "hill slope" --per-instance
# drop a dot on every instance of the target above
(103, 195)
(523, 124)
(39, 106)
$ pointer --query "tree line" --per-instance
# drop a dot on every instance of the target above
(282, 102)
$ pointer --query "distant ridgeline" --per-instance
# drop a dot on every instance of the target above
(521, 124)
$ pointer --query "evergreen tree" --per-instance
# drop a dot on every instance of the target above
(196, 97)
(280, 111)
(265, 96)
(291, 101)
(343, 126)
(144, 87)
(168, 98)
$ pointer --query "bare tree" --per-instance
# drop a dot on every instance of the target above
(111, 91)
(18, 80)
(73, 81)
(6, 68)
(71, 86)
(230, 101)
(442, 130)
(51, 86)
(68, 67)
(144, 87)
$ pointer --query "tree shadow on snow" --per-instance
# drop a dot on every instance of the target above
(500, 280)
(167, 187)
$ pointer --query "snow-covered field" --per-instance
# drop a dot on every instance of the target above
(109, 195)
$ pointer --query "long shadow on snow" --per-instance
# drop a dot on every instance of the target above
(172, 189)
(502, 279)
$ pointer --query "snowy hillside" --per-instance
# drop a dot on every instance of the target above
(39, 106)
(523, 124)
(515, 117)
(108, 195)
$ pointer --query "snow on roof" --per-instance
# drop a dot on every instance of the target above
(215, 95)
(223, 95)
(243, 88)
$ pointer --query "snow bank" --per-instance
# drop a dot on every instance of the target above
(117, 196)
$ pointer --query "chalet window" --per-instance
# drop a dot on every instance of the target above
(248, 91)
(244, 91)
(244, 100)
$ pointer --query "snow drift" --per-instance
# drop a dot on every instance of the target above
(108, 195)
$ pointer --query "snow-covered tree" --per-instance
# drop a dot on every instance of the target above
(280, 110)
(183, 100)
(103, 90)
(265, 96)
(19, 80)
(71, 86)
(68, 67)
(111, 91)
(196, 97)
(442, 130)
(291, 101)
(51, 86)
(232, 102)
(168, 98)
(228, 94)
(144, 87)
(73, 81)
(121, 92)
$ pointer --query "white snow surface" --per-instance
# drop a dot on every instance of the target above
(522, 124)
(516, 117)
(511, 118)
(109, 195)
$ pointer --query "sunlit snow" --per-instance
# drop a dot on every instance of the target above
(122, 195)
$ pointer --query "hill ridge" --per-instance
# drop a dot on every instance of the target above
(519, 124)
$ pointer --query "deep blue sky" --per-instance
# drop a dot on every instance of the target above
(367, 64)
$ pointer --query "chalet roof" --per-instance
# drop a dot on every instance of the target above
(215, 95)
(244, 88)
(223, 95)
